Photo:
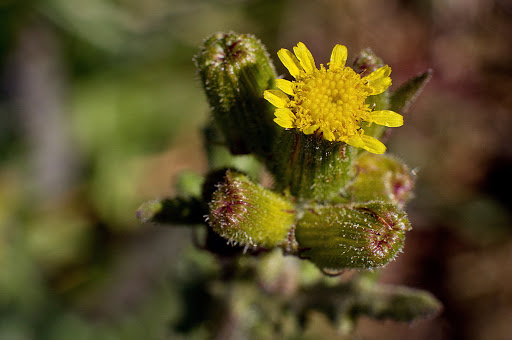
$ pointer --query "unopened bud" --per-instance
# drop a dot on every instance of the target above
(381, 177)
(367, 62)
(235, 70)
(248, 214)
(335, 237)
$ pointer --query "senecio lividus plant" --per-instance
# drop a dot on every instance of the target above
(336, 199)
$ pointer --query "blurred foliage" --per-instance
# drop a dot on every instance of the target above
(122, 97)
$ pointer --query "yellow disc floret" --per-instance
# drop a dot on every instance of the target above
(330, 102)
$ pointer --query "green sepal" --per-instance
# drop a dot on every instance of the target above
(406, 94)
(248, 214)
(366, 63)
(235, 70)
(335, 237)
(179, 210)
(382, 178)
(310, 167)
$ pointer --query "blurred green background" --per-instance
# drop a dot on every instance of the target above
(100, 109)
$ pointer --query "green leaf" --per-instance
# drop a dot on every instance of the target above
(406, 94)
(172, 211)
(397, 303)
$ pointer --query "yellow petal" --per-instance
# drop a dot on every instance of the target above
(283, 120)
(285, 86)
(311, 129)
(285, 114)
(368, 143)
(328, 134)
(386, 118)
(379, 80)
(290, 62)
(276, 98)
(338, 57)
(305, 57)
(381, 72)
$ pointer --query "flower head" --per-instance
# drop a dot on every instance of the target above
(330, 101)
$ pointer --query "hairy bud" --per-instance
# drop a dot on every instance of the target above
(335, 237)
(248, 214)
(235, 70)
(382, 178)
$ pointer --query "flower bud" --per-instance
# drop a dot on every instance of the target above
(248, 214)
(382, 178)
(235, 70)
(335, 237)
(367, 62)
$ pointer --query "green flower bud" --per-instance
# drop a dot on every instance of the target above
(382, 178)
(335, 237)
(309, 166)
(235, 70)
(248, 214)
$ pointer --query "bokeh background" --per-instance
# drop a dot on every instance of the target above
(100, 109)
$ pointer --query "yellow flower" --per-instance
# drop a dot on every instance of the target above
(330, 101)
